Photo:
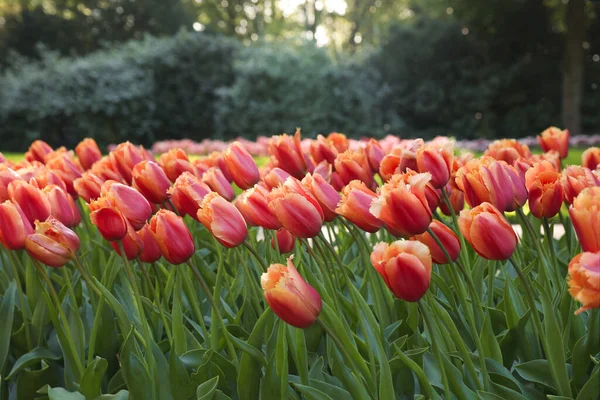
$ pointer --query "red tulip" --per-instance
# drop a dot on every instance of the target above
(584, 280)
(545, 190)
(326, 195)
(215, 179)
(151, 181)
(285, 241)
(88, 186)
(132, 244)
(129, 201)
(151, 252)
(37, 151)
(14, 226)
(7, 175)
(288, 153)
(223, 220)
(508, 150)
(253, 204)
(275, 177)
(33, 202)
(438, 161)
(585, 215)
(354, 205)
(591, 158)
(375, 154)
(446, 236)
(108, 219)
(67, 168)
(575, 179)
(351, 165)
(175, 162)
(52, 243)
(165, 226)
(88, 153)
(62, 206)
(241, 166)
(123, 159)
(555, 139)
(187, 194)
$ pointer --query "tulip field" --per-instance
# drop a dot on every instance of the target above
(335, 269)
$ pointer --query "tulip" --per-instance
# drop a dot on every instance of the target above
(33, 202)
(405, 267)
(241, 166)
(289, 296)
(223, 220)
(296, 209)
(326, 195)
(123, 159)
(7, 175)
(132, 244)
(200, 167)
(45, 177)
(108, 219)
(187, 194)
(129, 201)
(52, 243)
(375, 154)
(285, 241)
(323, 150)
(67, 168)
(151, 181)
(288, 153)
(175, 162)
(402, 204)
(38, 151)
(253, 204)
(88, 186)
(438, 161)
(553, 156)
(574, 179)
(165, 226)
(106, 170)
(88, 153)
(486, 229)
(151, 251)
(508, 150)
(339, 141)
(323, 169)
(545, 190)
(14, 226)
(555, 139)
(351, 165)
(446, 236)
(591, 158)
(62, 206)
(354, 206)
(585, 215)
(275, 177)
(215, 179)
(402, 158)
(457, 201)
(336, 181)
(584, 280)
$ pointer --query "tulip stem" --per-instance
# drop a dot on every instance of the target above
(172, 206)
(555, 266)
(256, 255)
(155, 292)
(211, 300)
(540, 249)
(567, 231)
(463, 245)
(85, 276)
(95, 328)
(24, 306)
(436, 350)
(323, 274)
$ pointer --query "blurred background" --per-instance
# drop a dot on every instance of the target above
(149, 70)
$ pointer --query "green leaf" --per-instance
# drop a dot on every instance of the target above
(116, 307)
(489, 396)
(162, 373)
(121, 395)
(34, 356)
(310, 393)
(181, 384)
(7, 312)
(248, 381)
(62, 394)
(491, 348)
(92, 378)
(135, 372)
(590, 390)
(206, 391)
(177, 317)
(281, 358)
(537, 371)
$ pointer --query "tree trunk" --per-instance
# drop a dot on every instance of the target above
(573, 66)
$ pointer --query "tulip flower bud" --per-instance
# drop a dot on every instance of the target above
(241, 166)
(175, 162)
(106, 170)
(296, 209)
(52, 243)
(457, 201)
(323, 169)
(151, 181)
(354, 205)
(108, 219)
(323, 150)
(14, 226)
(351, 165)
(288, 153)
(555, 139)
(405, 267)
(187, 194)
(545, 190)
(88, 153)
(574, 179)
(438, 161)
(326, 195)
(591, 158)
(151, 252)
(67, 168)
(584, 280)
(289, 296)
(38, 151)
(88, 186)
(223, 220)
(375, 154)
(215, 179)
(339, 141)
(253, 204)
(446, 236)
(129, 201)
(33, 202)
(402, 158)
(275, 177)
(585, 215)
(490, 234)
(165, 226)
(45, 177)
(285, 241)
(62, 206)
(7, 175)
(508, 150)
(123, 159)
(132, 244)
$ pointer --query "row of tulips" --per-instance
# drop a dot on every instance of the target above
(392, 287)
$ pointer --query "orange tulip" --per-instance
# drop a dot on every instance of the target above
(275, 177)
(555, 139)
(402, 158)
(584, 280)
(175, 162)
(288, 153)
(52, 243)
(151, 181)
(490, 234)
(508, 150)
(123, 159)
(285, 241)
(45, 177)
(187, 194)
(223, 220)
(289, 296)
(438, 161)
(339, 141)
(7, 175)
(446, 236)
(457, 201)
(354, 205)
(323, 169)
(574, 179)
(326, 195)
(38, 151)
(14, 226)
(375, 154)
(405, 267)
(585, 215)
(296, 209)
(151, 251)
(591, 158)
(322, 149)
(402, 204)
(241, 166)
(165, 226)
(354, 164)
(129, 201)
(88, 186)
(33, 202)
(62, 206)
(254, 207)
(132, 244)
(106, 170)
(108, 219)
(545, 190)
(88, 153)
(217, 181)
(67, 168)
